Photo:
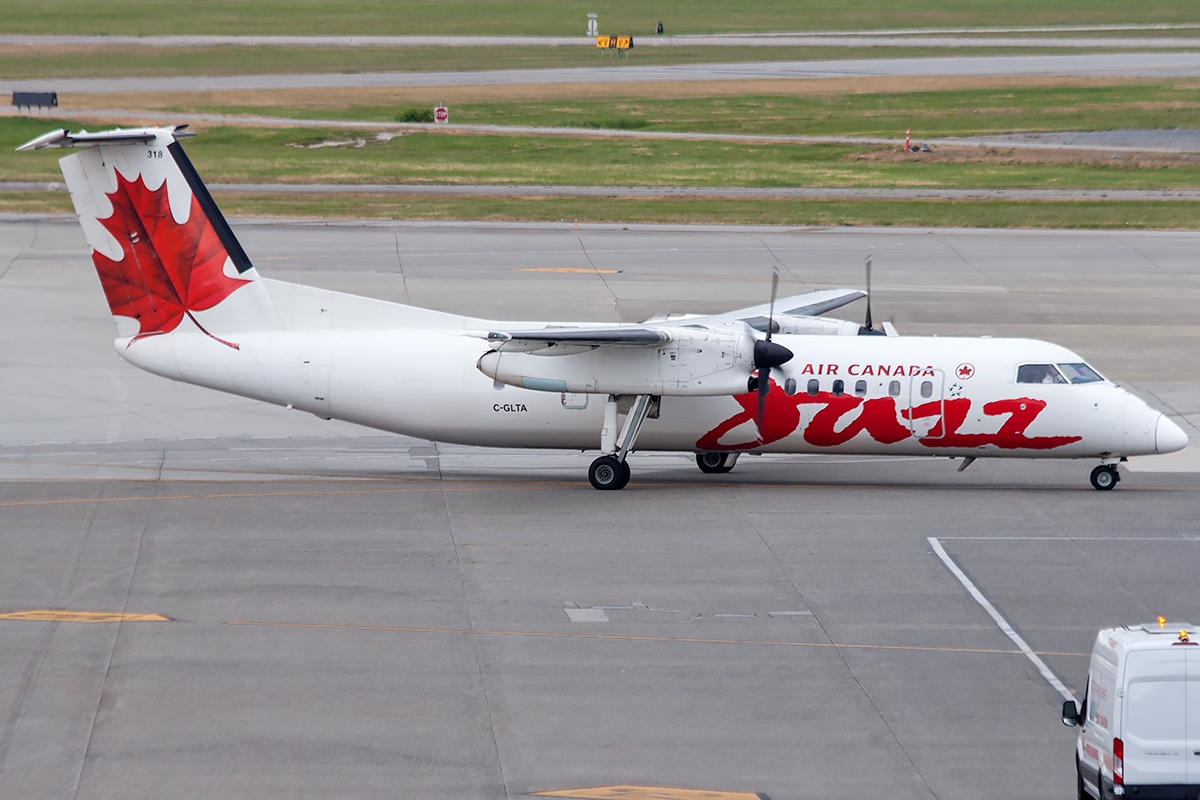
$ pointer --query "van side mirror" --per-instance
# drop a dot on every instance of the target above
(1070, 714)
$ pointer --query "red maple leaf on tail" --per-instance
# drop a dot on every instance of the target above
(169, 269)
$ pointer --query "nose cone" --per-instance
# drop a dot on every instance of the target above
(1168, 437)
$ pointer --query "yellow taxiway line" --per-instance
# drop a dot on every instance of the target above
(65, 615)
(629, 792)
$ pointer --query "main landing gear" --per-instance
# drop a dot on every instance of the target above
(716, 463)
(611, 471)
(1105, 477)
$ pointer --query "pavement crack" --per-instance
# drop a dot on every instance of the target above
(120, 627)
(30, 674)
(780, 263)
(599, 274)
(23, 252)
(400, 265)
(834, 646)
(487, 703)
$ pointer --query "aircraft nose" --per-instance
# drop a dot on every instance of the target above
(1168, 437)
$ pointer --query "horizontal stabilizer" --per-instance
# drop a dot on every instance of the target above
(64, 137)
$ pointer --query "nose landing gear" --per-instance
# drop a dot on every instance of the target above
(1105, 477)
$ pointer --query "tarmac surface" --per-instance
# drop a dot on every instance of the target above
(308, 609)
(1133, 65)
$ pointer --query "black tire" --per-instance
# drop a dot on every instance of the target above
(713, 463)
(1081, 792)
(625, 474)
(1104, 478)
(608, 473)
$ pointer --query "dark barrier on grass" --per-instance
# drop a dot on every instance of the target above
(32, 100)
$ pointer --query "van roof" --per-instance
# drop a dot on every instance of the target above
(1148, 636)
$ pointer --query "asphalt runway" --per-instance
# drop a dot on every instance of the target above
(315, 610)
(1132, 65)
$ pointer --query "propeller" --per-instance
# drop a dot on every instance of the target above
(868, 329)
(768, 356)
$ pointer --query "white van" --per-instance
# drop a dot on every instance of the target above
(1139, 731)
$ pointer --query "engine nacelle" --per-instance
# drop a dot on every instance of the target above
(693, 363)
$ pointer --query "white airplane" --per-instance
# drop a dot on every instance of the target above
(190, 306)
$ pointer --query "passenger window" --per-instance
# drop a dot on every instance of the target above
(860, 388)
(789, 387)
(1039, 373)
(926, 388)
(1079, 373)
(839, 387)
(814, 386)
(894, 388)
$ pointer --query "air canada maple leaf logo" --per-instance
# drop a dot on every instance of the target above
(168, 269)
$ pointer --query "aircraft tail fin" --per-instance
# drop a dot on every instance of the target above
(166, 257)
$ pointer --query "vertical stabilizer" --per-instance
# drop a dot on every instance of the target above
(166, 257)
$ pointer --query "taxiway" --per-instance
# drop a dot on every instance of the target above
(349, 613)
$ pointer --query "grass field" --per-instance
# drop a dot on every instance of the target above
(953, 112)
(237, 155)
(28, 62)
(550, 17)
(923, 213)
(300, 155)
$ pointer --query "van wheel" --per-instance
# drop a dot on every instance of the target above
(1080, 790)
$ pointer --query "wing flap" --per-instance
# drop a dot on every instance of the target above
(632, 337)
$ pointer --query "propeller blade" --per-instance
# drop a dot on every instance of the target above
(767, 356)
(764, 386)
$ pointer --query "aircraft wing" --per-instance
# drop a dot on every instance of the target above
(635, 336)
(812, 304)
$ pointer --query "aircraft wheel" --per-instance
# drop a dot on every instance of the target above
(713, 463)
(1105, 477)
(608, 473)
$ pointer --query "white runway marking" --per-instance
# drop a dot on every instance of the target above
(1001, 622)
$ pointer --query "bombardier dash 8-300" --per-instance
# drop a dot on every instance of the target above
(775, 378)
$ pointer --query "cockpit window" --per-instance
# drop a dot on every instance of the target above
(1039, 373)
(1079, 373)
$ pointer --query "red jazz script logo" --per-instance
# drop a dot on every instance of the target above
(964, 372)
(168, 270)
(839, 418)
